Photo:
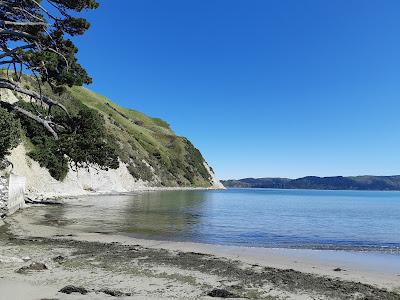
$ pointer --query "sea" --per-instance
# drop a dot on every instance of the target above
(272, 218)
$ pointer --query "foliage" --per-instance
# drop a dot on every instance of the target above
(196, 162)
(89, 144)
(84, 143)
(48, 153)
(161, 123)
(9, 132)
(34, 34)
(151, 151)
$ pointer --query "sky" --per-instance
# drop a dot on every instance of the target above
(264, 88)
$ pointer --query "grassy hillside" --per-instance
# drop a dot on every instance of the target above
(148, 144)
(149, 147)
(379, 183)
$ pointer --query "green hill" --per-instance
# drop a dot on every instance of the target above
(379, 183)
(148, 146)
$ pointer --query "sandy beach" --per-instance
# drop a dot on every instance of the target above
(106, 266)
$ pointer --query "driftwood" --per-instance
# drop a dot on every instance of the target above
(41, 202)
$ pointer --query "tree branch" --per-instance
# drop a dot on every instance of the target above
(27, 13)
(45, 123)
(44, 10)
(8, 84)
(26, 23)
(18, 33)
(12, 51)
(6, 62)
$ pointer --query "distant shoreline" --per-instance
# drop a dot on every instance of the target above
(350, 183)
(300, 189)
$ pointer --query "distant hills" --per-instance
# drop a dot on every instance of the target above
(377, 183)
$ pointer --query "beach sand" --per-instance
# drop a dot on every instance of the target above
(106, 264)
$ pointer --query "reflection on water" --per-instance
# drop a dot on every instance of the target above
(268, 218)
(164, 214)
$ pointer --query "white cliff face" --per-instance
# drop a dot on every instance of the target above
(40, 184)
(216, 184)
(9, 97)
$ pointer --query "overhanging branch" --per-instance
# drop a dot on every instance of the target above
(45, 123)
(12, 51)
(26, 23)
(10, 85)
(17, 33)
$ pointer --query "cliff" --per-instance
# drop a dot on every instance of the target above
(149, 153)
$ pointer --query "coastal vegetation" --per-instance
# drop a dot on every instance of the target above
(84, 142)
(66, 126)
(99, 133)
(35, 39)
(148, 146)
(9, 132)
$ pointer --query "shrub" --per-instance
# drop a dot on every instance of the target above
(196, 163)
(161, 123)
(84, 143)
(89, 144)
(50, 156)
(9, 132)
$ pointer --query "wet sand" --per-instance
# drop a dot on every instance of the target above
(145, 269)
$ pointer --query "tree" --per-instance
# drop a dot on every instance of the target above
(9, 132)
(35, 39)
(34, 36)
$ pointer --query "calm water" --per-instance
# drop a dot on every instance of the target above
(353, 220)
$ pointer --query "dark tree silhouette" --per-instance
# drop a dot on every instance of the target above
(35, 37)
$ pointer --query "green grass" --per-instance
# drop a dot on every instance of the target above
(151, 150)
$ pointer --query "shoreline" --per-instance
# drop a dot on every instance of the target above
(304, 189)
(165, 269)
(37, 197)
(384, 273)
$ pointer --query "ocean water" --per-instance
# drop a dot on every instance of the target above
(304, 219)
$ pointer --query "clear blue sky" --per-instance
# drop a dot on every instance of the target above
(263, 88)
